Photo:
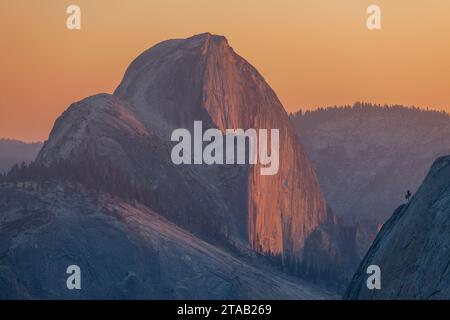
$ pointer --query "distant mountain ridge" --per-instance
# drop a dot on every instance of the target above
(367, 156)
(15, 152)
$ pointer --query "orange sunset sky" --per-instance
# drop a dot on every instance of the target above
(312, 52)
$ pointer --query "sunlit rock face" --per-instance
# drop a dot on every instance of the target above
(170, 86)
(282, 209)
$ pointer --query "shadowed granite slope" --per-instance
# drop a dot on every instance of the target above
(123, 251)
(413, 247)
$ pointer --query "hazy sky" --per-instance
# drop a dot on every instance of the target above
(312, 52)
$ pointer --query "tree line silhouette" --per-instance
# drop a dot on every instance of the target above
(368, 107)
(103, 177)
(94, 177)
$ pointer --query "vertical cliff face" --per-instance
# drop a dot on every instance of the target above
(282, 209)
(413, 247)
(170, 86)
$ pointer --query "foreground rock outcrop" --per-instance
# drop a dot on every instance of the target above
(413, 247)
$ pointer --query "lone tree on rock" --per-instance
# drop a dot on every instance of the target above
(408, 195)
